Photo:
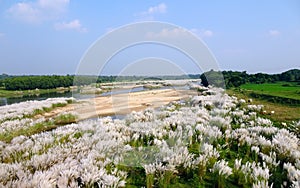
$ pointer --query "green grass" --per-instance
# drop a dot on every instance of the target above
(64, 119)
(280, 89)
(283, 112)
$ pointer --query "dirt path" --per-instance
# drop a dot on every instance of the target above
(122, 103)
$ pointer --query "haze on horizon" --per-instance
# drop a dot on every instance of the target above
(51, 36)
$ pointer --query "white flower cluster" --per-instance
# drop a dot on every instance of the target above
(17, 116)
(293, 174)
(19, 110)
(68, 156)
(211, 136)
(222, 168)
(16, 124)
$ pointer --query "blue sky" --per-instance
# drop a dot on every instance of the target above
(51, 36)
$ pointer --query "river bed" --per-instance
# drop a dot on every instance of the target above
(78, 96)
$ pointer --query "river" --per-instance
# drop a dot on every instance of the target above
(12, 100)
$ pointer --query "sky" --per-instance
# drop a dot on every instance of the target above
(52, 36)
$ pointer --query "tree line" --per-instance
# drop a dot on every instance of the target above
(226, 79)
(230, 79)
(34, 82)
(49, 82)
(9, 82)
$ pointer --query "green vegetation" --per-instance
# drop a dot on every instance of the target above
(40, 82)
(279, 89)
(20, 83)
(278, 92)
(64, 119)
(235, 79)
(282, 112)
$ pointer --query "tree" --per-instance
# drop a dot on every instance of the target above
(214, 78)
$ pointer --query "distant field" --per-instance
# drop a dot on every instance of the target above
(280, 89)
(281, 97)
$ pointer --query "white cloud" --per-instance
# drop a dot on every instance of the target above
(161, 8)
(274, 33)
(151, 11)
(202, 33)
(38, 11)
(72, 25)
(25, 12)
(170, 33)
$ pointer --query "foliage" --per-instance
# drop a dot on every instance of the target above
(50, 82)
(37, 82)
(65, 119)
(236, 79)
(214, 78)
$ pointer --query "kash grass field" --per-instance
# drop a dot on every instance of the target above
(208, 140)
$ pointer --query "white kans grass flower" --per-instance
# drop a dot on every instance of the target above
(293, 173)
(59, 151)
(207, 131)
(255, 108)
(18, 110)
(286, 143)
(255, 149)
(167, 139)
(264, 122)
(150, 169)
(242, 101)
(222, 168)
(221, 122)
(270, 159)
(260, 173)
(237, 164)
(209, 151)
(14, 124)
(261, 184)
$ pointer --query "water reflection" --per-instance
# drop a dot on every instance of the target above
(12, 100)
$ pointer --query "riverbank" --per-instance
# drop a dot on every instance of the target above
(32, 117)
(35, 92)
(122, 104)
(87, 91)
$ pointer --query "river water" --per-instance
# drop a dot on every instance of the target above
(12, 100)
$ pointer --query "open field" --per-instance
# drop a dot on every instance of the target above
(280, 89)
(282, 112)
(207, 139)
